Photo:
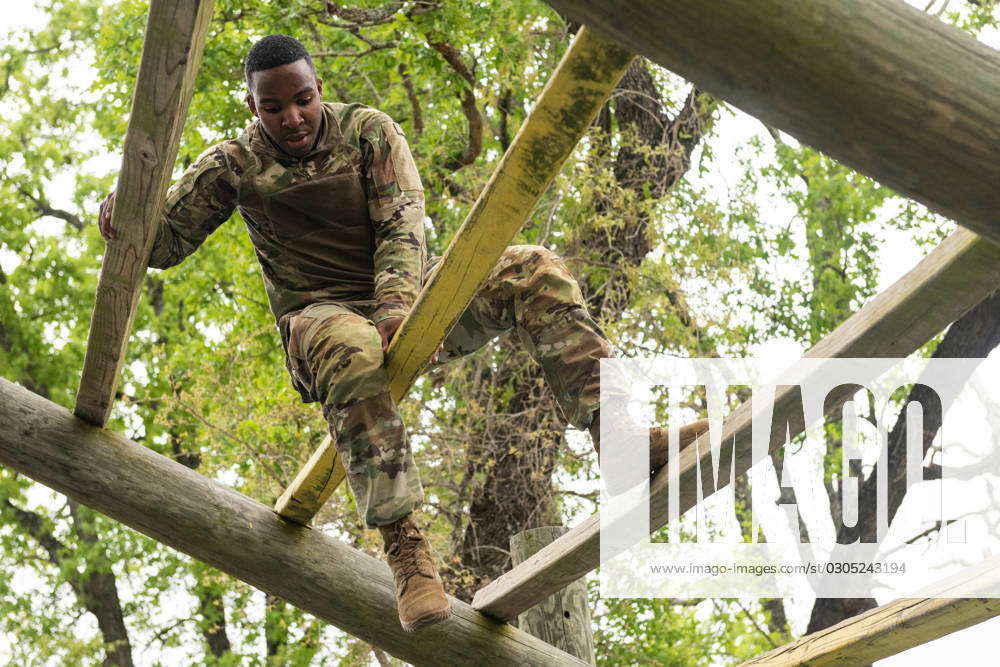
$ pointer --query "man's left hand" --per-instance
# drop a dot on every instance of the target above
(387, 329)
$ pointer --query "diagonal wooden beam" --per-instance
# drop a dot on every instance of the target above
(877, 84)
(584, 79)
(952, 279)
(213, 523)
(900, 624)
(175, 36)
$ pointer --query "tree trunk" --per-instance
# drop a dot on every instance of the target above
(95, 589)
(211, 613)
(211, 608)
(98, 591)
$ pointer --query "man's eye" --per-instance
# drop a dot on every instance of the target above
(305, 100)
(272, 109)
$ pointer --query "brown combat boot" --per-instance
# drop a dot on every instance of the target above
(420, 596)
(658, 446)
(658, 443)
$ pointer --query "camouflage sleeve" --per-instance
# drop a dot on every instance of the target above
(396, 208)
(201, 200)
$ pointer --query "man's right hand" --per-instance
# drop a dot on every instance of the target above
(104, 218)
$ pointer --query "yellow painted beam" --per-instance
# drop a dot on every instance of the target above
(313, 485)
(175, 37)
(584, 79)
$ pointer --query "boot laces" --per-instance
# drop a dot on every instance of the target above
(409, 557)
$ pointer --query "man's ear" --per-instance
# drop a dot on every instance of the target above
(252, 104)
(319, 87)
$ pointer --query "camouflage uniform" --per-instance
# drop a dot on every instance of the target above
(339, 237)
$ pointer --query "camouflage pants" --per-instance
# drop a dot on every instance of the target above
(334, 354)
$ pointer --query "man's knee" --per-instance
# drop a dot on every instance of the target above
(529, 255)
(345, 356)
(542, 278)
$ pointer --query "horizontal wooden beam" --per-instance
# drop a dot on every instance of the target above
(213, 523)
(584, 79)
(877, 84)
(175, 36)
(900, 624)
(956, 276)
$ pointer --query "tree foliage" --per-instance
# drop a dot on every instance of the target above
(669, 262)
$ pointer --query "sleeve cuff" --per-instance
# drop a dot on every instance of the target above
(389, 309)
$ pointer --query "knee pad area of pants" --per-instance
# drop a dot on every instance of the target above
(346, 359)
(529, 256)
(535, 273)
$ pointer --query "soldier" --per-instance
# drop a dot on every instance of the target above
(333, 204)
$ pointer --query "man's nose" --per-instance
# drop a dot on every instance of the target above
(292, 118)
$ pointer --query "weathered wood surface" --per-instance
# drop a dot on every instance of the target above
(213, 523)
(563, 619)
(953, 278)
(878, 84)
(313, 484)
(898, 625)
(175, 36)
(586, 76)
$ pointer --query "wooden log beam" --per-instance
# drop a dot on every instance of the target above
(877, 84)
(953, 278)
(584, 79)
(898, 625)
(175, 36)
(213, 523)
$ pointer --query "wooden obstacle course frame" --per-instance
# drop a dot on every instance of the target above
(874, 83)
(241, 537)
(900, 624)
(731, 50)
(175, 38)
(952, 279)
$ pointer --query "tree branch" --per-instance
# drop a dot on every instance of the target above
(356, 17)
(411, 95)
(504, 107)
(475, 144)
(33, 524)
(354, 54)
(46, 210)
(973, 335)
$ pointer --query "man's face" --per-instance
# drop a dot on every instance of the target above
(287, 101)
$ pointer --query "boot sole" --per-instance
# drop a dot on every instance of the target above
(426, 620)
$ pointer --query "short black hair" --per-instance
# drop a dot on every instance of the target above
(275, 51)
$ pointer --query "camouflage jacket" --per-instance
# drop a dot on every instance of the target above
(343, 223)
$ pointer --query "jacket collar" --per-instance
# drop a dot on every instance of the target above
(261, 144)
